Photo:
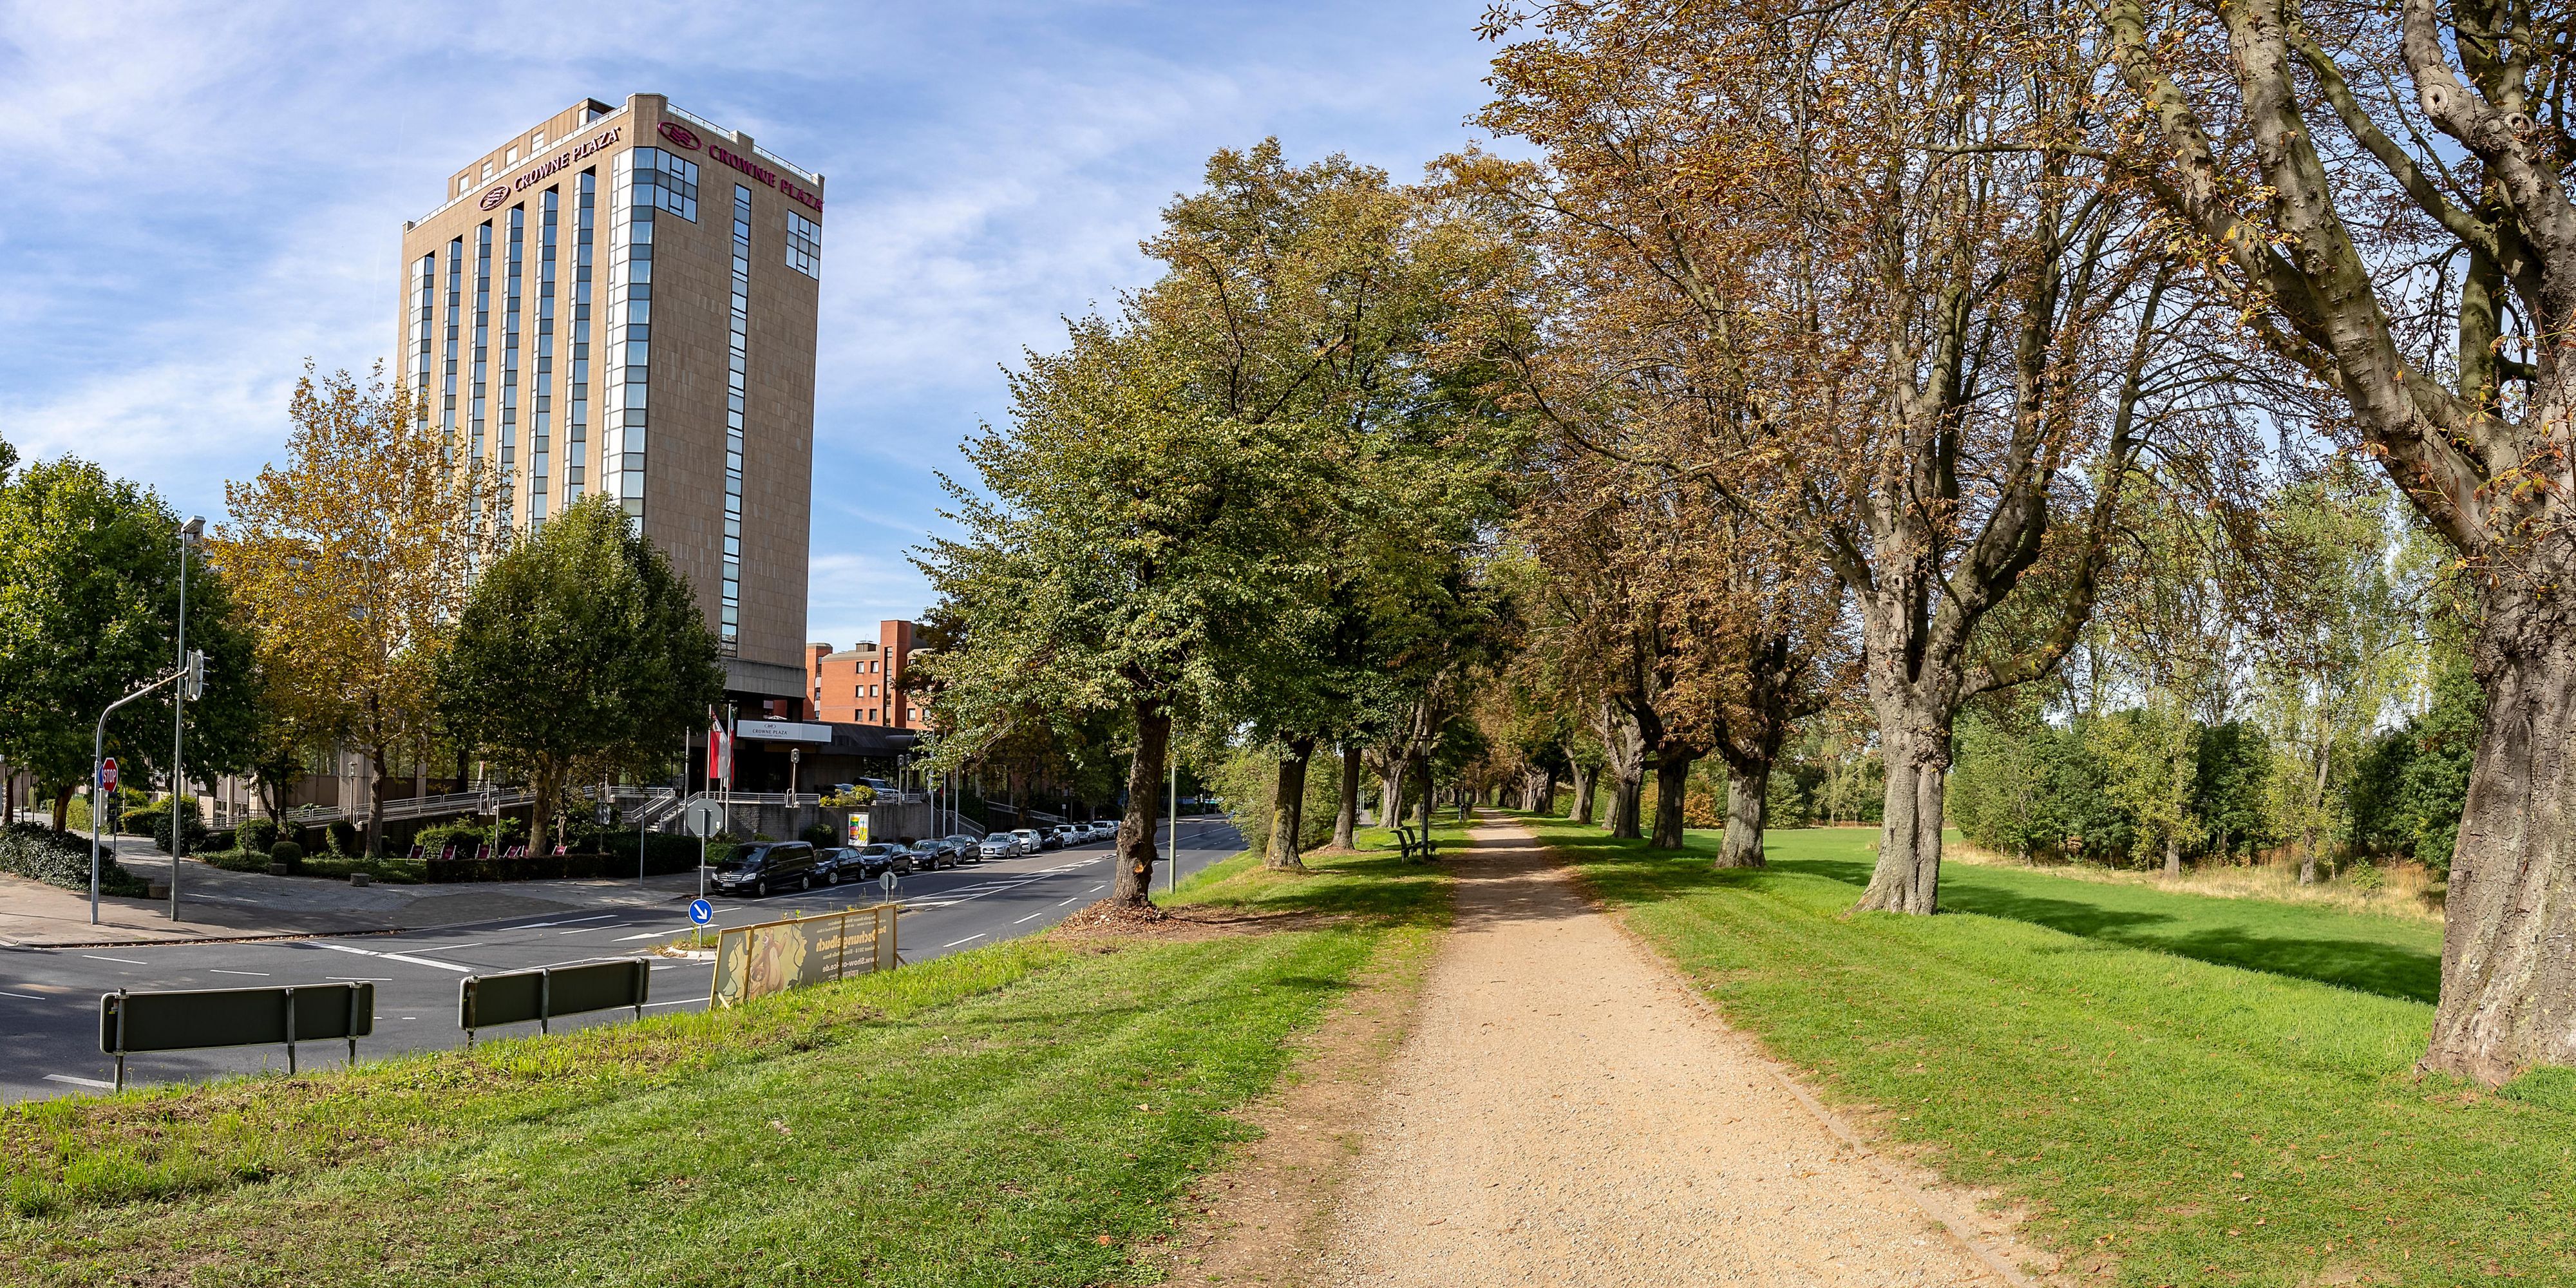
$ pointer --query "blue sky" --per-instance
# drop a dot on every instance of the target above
(196, 198)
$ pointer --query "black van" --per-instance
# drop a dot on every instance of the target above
(763, 866)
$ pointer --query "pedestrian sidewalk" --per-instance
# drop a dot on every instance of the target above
(215, 904)
(1566, 1113)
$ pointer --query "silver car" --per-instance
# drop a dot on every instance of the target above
(999, 845)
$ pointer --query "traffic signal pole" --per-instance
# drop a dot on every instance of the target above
(97, 772)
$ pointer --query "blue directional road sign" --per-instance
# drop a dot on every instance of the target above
(701, 911)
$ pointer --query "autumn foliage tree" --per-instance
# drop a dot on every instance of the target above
(1861, 270)
(352, 559)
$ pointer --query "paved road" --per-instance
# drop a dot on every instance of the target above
(49, 997)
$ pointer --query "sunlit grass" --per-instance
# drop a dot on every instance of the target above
(2183, 1090)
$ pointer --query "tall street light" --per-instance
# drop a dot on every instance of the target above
(190, 534)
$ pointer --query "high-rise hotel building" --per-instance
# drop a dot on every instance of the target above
(622, 300)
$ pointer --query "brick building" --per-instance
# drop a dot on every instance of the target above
(862, 684)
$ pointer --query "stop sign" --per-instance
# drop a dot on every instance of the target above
(107, 774)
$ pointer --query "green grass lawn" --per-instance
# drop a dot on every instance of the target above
(2183, 1089)
(1028, 1113)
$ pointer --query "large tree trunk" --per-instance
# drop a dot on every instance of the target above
(2173, 857)
(1747, 804)
(378, 780)
(63, 808)
(1627, 798)
(546, 782)
(2509, 941)
(1346, 820)
(1672, 786)
(1584, 777)
(1908, 876)
(1390, 794)
(2312, 837)
(1419, 767)
(1136, 856)
(1288, 807)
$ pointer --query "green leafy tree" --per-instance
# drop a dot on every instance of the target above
(89, 600)
(579, 648)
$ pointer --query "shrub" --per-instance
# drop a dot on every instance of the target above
(288, 853)
(61, 859)
(195, 825)
(256, 834)
(820, 836)
(860, 794)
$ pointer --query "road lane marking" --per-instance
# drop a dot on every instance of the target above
(540, 925)
(127, 960)
(449, 948)
(99, 1083)
(217, 970)
(1098, 888)
(1067, 899)
(360, 979)
(1034, 915)
(398, 957)
(646, 935)
(681, 1002)
(25, 997)
(967, 940)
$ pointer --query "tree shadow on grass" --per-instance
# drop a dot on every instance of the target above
(2389, 970)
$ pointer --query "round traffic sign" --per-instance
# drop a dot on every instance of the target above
(885, 882)
(703, 818)
(701, 911)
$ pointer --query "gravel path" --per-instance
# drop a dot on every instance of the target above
(1564, 1114)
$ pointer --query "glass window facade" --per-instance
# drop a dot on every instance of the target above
(664, 181)
(627, 409)
(475, 398)
(577, 418)
(513, 281)
(422, 344)
(541, 381)
(455, 323)
(729, 619)
(804, 245)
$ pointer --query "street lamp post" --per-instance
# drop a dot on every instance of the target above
(189, 534)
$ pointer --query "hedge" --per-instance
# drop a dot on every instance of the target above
(62, 859)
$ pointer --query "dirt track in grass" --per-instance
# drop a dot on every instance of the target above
(1564, 1112)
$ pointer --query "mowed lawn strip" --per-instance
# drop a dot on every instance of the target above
(1025, 1130)
(2166, 1119)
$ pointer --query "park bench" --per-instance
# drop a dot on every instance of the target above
(1416, 846)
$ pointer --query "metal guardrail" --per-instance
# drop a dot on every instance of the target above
(194, 1019)
(548, 991)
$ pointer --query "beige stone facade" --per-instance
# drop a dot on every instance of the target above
(618, 375)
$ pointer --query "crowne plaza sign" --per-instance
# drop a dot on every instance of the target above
(544, 170)
(681, 136)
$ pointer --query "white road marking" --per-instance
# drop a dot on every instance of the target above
(1068, 899)
(1098, 888)
(361, 979)
(540, 925)
(220, 971)
(398, 957)
(448, 948)
(1034, 915)
(681, 1002)
(81, 1082)
(646, 935)
(127, 960)
(967, 940)
(23, 997)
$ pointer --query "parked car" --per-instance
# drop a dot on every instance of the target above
(763, 866)
(1070, 835)
(1000, 845)
(1031, 841)
(837, 864)
(970, 849)
(936, 852)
